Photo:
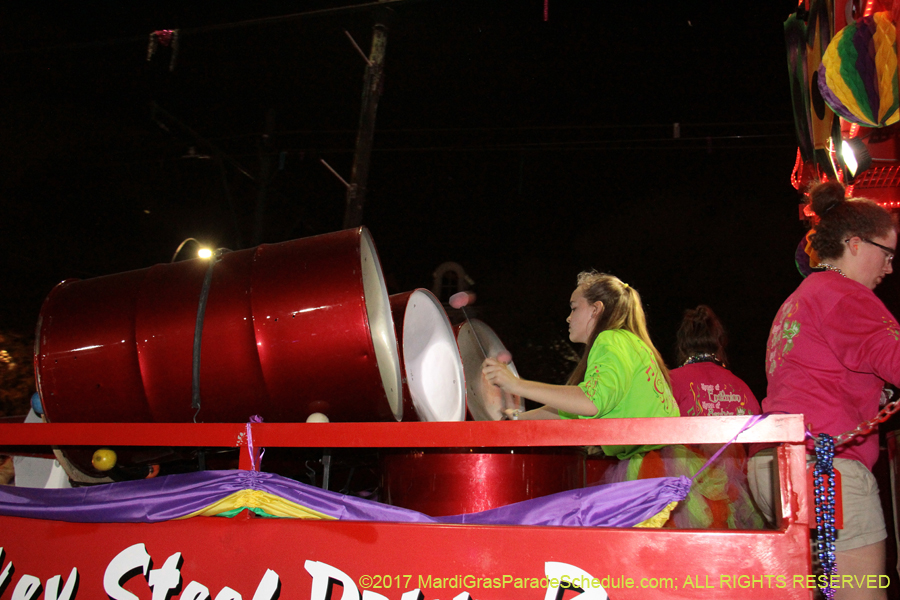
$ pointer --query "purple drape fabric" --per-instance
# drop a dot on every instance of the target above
(163, 498)
(622, 504)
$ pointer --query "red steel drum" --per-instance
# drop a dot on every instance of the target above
(484, 401)
(433, 382)
(290, 329)
(466, 480)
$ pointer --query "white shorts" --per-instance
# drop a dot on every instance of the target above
(863, 518)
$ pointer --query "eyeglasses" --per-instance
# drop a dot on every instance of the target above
(888, 252)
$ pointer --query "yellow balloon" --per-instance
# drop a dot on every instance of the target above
(104, 459)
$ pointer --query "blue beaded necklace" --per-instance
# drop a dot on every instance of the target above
(824, 498)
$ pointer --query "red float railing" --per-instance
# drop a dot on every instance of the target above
(375, 560)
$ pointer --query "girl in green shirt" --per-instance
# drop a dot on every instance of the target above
(620, 374)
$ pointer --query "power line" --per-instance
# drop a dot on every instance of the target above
(697, 144)
(522, 128)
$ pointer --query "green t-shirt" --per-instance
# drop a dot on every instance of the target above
(623, 380)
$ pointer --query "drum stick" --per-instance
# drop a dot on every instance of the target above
(459, 301)
(508, 404)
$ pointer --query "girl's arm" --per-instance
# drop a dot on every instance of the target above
(568, 398)
(544, 412)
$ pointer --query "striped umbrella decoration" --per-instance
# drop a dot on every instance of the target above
(858, 74)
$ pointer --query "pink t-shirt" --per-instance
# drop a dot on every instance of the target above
(832, 346)
(705, 389)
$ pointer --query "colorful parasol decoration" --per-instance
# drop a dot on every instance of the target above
(807, 34)
(858, 75)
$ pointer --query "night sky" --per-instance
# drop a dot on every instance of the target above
(526, 150)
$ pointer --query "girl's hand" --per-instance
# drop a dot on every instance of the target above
(498, 373)
(511, 414)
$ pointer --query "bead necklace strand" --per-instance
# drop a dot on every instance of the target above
(825, 501)
(831, 267)
(696, 358)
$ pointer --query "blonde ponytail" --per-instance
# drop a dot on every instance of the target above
(622, 309)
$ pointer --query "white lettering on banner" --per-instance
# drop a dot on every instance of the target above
(228, 594)
(28, 588)
(162, 581)
(165, 582)
(168, 578)
(415, 594)
(324, 579)
(559, 577)
(195, 591)
(123, 567)
(269, 588)
(7, 571)
(69, 590)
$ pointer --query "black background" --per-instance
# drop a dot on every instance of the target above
(526, 150)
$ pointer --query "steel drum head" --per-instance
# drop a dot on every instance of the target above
(433, 367)
(484, 401)
(381, 325)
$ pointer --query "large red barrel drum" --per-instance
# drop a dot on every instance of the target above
(289, 329)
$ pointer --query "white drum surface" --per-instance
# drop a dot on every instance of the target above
(381, 324)
(434, 370)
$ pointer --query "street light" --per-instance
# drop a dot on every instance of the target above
(202, 251)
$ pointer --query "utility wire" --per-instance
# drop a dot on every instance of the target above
(699, 144)
(550, 128)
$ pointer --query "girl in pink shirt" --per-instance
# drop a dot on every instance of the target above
(831, 348)
(703, 386)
